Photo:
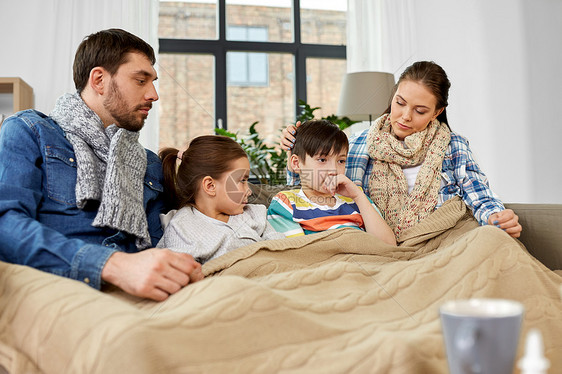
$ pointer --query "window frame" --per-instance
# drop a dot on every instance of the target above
(247, 61)
(219, 47)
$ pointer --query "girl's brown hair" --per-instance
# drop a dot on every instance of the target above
(207, 155)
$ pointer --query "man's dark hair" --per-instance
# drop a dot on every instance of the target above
(319, 137)
(107, 49)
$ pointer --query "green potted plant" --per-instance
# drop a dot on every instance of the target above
(307, 113)
(268, 163)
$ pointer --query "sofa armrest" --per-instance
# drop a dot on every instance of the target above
(542, 234)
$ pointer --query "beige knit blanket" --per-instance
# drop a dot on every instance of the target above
(335, 302)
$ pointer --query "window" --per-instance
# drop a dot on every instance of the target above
(230, 63)
(322, 83)
(247, 68)
(187, 103)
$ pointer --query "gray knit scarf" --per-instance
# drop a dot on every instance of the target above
(111, 166)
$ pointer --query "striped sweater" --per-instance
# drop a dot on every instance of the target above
(293, 214)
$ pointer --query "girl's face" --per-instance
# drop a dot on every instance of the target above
(413, 108)
(232, 188)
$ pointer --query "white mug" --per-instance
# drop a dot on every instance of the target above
(481, 335)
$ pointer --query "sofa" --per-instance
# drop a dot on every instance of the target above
(542, 233)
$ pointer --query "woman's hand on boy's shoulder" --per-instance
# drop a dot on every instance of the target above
(288, 138)
(288, 141)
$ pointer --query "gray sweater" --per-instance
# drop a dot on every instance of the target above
(205, 238)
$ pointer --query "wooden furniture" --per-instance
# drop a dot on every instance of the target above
(22, 94)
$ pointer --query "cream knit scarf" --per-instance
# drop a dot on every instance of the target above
(387, 185)
(111, 165)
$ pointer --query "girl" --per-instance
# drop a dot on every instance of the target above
(210, 190)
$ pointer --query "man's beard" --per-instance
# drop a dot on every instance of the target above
(125, 117)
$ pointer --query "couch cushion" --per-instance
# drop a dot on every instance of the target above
(264, 193)
(542, 233)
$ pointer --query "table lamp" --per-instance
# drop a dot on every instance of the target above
(365, 95)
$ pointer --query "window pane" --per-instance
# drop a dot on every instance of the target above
(272, 15)
(237, 33)
(323, 21)
(237, 67)
(273, 106)
(186, 85)
(247, 69)
(324, 78)
(195, 19)
(257, 34)
(258, 68)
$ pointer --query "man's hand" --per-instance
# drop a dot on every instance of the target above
(508, 221)
(152, 273)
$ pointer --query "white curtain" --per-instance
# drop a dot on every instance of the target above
(501, 99)
(381, 35)
(40, 37)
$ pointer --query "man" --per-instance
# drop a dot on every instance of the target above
(79, 196)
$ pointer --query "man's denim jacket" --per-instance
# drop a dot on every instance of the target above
(40, 225)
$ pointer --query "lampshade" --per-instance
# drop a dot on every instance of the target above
(365, 95)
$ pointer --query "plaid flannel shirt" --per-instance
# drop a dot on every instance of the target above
(461, 176)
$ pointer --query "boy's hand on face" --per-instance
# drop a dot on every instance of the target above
(342, 185)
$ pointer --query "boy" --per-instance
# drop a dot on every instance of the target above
(327, 199)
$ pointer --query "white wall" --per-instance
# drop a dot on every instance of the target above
(503, 58)
(543, 22)
(38, 39)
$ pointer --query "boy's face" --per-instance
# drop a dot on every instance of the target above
(316, 171)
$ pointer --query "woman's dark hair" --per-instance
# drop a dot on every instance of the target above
(319, 137)
(207, 155)
(434, 78)
(107, 49)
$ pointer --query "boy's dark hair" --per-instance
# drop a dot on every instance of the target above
(319, 137)
(207, 155)
(108, 49)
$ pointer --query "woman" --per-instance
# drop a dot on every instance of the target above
(409, 162)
